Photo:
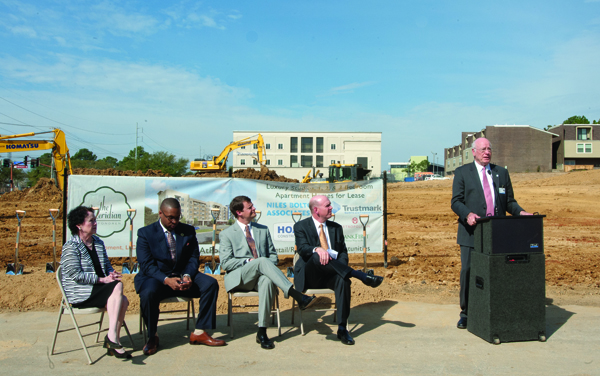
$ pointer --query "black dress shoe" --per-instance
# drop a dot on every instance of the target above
(265, 342)
(305, 302)
(462, 323)
(112, 347)
(151, 346)
(373, 280)
(345, 337)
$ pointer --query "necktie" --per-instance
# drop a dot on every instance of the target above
(251, 242)
(172, 244)
(323, 238)
(488, 195)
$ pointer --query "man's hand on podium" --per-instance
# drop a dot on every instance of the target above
(524, 213)
(472, 219)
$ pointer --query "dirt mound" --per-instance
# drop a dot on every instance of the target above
(44, 191)
(574, 178)
(114, 172)
(248, 173)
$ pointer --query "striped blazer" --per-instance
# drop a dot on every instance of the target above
(78, 274)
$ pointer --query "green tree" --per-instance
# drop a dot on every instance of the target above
(149, 216)
(576, 120)
(417, 167)
(129, 162)
(84, 155)
(18, 175)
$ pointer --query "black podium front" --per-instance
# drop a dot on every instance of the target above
(507, 285)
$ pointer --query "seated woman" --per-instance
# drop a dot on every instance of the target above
(88, 278)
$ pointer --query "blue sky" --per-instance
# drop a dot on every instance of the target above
(191, 72)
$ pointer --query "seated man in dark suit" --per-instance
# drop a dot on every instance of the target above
(323, 261)
(168, 254)
(249, 257)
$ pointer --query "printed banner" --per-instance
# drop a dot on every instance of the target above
(204, 200)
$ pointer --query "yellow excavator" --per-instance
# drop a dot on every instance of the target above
(219, 163)
(60, 152)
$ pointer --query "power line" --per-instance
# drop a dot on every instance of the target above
(66, 125)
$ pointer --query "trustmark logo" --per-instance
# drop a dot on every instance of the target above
(112, 209)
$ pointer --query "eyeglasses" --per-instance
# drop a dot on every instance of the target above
(172, 218)
(485, 149)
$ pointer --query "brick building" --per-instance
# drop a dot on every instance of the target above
(576, 145)
(520, 148)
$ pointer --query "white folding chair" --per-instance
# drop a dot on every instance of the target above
(174, 299)
(66, 306)
(316, 292)
(249, 294)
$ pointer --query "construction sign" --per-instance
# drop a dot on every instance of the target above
(276, 201)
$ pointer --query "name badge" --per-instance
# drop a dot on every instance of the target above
(502, 191)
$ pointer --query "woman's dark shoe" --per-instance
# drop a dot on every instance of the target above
(124, 355)
(111, 349)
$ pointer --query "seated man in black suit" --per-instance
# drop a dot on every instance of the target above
(167, 251)
(323, 261)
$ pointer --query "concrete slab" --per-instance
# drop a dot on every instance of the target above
(392, 337)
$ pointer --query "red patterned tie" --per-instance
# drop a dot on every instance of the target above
(172, 245)
(251, 242)
(488, 195)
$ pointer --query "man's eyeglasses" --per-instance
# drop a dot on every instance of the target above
(172, 218)
(485, 149)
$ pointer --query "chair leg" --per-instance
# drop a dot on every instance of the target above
(87, 353)
(230, 315)
(60, 313)
(188, 315)
(278, 318)
(301, 323)
(293, 310)
(128, 334)
(99, 327)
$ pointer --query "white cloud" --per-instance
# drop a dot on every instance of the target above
(23, 30)
(345, 89)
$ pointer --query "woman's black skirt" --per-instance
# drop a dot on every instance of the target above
(100, 294)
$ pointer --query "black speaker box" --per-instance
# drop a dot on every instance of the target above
(500, 235)
(507, 297)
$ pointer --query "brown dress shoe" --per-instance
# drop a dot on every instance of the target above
(151, 346)
(205, 339)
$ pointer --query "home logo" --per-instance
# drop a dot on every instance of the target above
(112, 210)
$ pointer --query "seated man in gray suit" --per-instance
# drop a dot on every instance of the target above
(248, 256)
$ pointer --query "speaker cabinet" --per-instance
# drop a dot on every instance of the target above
(507, 297)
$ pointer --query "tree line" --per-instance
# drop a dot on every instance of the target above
(85, 158)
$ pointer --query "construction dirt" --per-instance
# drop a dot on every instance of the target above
(423, 258)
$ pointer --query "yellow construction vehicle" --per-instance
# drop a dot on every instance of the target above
(219, 163)
(340, 173)
(308, 178)
(60, 152)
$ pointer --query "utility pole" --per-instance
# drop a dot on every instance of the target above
(434, 155)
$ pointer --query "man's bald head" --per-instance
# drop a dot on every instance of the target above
(320, 208)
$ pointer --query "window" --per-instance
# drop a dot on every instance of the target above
(293, 160)
(319, 161)
(306, 161)
(319, 144)
(243, 147)
(242, 162)
(254, 162)
(255, 146)
(467, 156)
(584, 133)
(584, 148)
(280, 146)
(268, 146)
(268, 162)
(332, 161)
(280, 162)
(332, 146)
(293, 144)
(306, 145)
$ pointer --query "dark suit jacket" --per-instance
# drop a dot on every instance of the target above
(468, 196)
(307, 239)
(155, 259)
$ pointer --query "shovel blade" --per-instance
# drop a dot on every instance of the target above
(125, 269)
(136, 268)
(11, 269)
(50, 268)
(290, 272)
(209, 270)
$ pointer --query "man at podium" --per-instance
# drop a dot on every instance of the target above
(479, 189)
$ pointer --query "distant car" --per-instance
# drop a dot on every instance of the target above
(437, 177)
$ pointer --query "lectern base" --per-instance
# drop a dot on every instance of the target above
(507, 297)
